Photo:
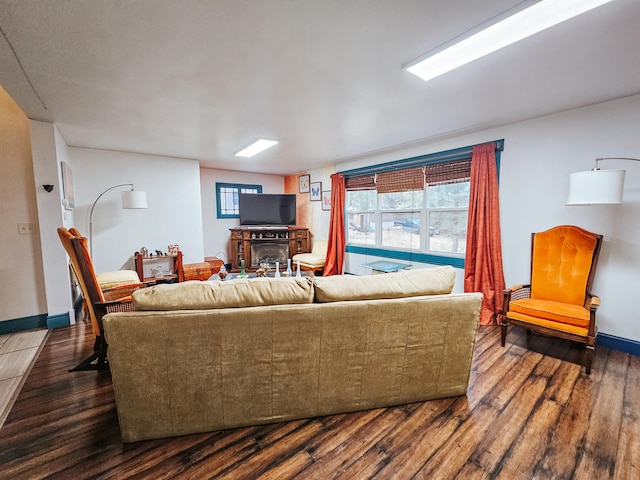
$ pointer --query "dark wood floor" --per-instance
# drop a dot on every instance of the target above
(529, 413)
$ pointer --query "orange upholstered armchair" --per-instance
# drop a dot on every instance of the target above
(558, 299)
(99, 300)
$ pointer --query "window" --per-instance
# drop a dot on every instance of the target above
(227, 197)
(414, 209)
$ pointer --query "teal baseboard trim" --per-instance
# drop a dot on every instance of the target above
(26, 323)
(618, 343)
(55, 321)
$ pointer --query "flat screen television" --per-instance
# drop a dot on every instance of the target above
(267, 209)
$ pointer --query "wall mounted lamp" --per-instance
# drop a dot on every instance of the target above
(130, 199)
(597, 187)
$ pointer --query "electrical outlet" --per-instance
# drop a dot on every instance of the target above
(26, 228)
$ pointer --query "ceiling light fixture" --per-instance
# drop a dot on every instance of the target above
(597, 187)
(524, 20)
(256, 147)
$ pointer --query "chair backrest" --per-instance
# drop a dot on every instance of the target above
(319, 247)
(76, 247)
(563, 263)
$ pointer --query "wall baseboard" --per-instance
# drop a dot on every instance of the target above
(33, 322)
(618, 343)
(55, 321)
(26, 323)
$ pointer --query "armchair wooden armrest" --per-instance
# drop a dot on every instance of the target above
(514, 292)
(121, 291)
(593, 302)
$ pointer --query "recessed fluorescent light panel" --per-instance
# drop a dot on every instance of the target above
(256, 147)
(513, 25)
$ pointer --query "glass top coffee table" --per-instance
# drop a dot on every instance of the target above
(385, 266)
(236, 276)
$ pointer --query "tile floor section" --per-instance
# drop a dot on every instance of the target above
(18, 353)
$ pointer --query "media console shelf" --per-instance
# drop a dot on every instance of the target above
(171, 266)
(289, 240)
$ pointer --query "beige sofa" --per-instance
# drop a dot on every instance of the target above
(207, 356)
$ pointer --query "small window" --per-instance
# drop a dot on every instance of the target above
(227, 197)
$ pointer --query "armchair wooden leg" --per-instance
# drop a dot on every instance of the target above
(588, 357)
(503, 330)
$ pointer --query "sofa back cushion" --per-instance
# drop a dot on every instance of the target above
(405, 283)
(248, 292)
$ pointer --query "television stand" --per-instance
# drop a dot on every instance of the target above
(255, 243)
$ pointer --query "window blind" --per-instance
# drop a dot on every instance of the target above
(452, 171)
(402, 180)
(363, 182)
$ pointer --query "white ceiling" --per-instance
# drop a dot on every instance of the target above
(201, 79)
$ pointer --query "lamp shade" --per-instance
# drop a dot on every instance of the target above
(596, 187)
(134, 199)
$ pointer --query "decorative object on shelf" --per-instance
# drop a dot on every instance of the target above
(243, 273)
(315, 191)
(326, 200)
(304, 183)
(261, 272)
(289, 271)
(223, 272)
(597, 187)
(131, 199)
(173, 249)
(277, 274)
(144, 252)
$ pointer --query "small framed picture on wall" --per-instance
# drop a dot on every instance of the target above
(304, 183)
(326, 200)
(315, 192)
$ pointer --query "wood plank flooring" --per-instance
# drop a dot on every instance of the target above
(530, 413)
(18, 352)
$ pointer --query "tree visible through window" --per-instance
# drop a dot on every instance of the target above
(227, 194)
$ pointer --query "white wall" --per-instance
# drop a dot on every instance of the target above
(216, 230)
(537, 158)
(319, 219)
(173, 216)
(22, 292)
(48, 150)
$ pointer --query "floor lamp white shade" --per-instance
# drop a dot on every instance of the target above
(134, 199)
(130, 199)
(595, 187)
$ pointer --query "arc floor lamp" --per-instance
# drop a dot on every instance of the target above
(131, 199)
(597, 187)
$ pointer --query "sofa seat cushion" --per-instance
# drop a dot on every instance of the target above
(119, 277)
(248, 292)
(405, 283)
(309, 259)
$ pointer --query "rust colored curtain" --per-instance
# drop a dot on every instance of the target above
(336, 242)
(483, 264)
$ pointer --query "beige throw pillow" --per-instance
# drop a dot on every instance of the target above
(253, 292)
(405, 283)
